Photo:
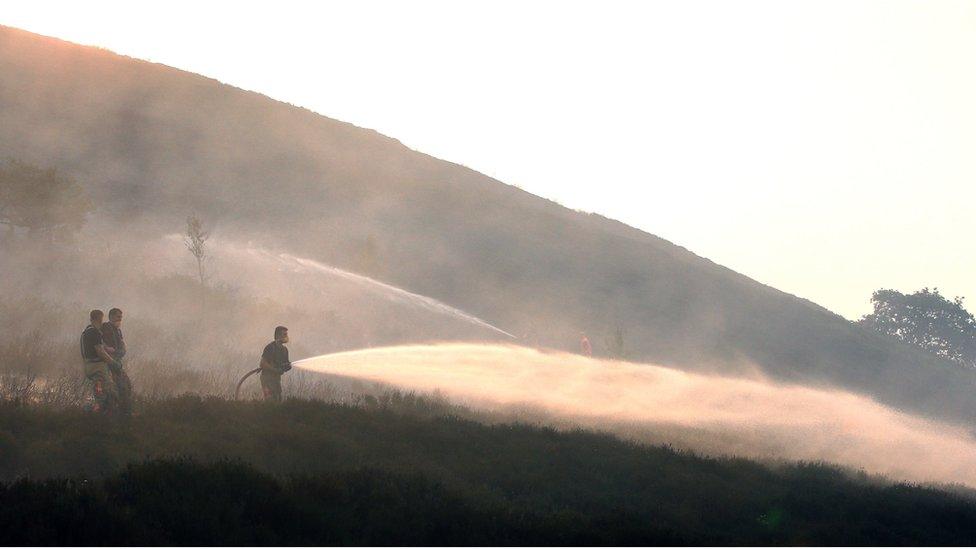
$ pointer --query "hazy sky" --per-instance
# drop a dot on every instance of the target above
(824, 148)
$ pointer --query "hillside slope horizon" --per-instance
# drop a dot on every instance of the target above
(154, 144)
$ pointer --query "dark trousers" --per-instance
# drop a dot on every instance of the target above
(123, 386)
(271, 385)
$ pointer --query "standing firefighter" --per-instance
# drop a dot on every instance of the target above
(96, 361)
(115, 345)
(585, 348)
(274, 363)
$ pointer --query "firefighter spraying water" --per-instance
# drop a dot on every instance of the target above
(274, 364)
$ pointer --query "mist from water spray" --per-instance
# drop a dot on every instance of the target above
(240, 264)
(716, 415)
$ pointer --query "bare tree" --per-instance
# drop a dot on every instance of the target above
(195, 240)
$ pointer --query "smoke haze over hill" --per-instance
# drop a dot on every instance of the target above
(154, 144)
(452, 360)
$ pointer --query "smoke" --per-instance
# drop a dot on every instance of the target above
(304, 283)
(152, 145)
(362, 283)
(715, 415)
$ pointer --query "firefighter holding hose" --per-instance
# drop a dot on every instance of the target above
(274, 363)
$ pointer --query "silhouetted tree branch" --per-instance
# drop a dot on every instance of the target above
(195, 240)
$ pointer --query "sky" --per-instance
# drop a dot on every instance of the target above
(827, 149)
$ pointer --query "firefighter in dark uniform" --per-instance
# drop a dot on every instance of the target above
(274, 363)
(115, 345)
(96, 362)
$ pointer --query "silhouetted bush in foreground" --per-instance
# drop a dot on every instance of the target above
(180, 502)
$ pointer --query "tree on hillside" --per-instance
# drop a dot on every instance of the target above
(928, 320)
(41, 200)
(196, 239)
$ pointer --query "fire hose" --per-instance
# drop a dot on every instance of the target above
(237, 392)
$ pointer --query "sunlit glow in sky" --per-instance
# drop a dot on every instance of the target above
(824, 148)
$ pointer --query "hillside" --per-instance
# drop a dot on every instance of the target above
(400, 472)
(154, 143)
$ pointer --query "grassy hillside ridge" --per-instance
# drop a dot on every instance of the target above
(401, 472)
(155, 143)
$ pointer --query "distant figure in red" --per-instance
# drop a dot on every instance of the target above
(585, 346)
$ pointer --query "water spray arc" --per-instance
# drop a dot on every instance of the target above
(710, 414)
(252, 266)
(395, 293)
